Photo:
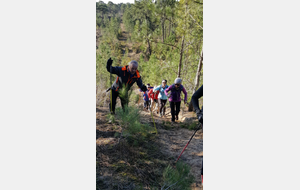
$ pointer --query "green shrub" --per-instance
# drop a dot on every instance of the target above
(178, 178)
(134, 131)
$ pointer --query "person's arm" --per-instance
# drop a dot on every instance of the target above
(198, 94)
(185, 94)
(111, 69)
(150, 93)
(155, 89)
(140, 84)
(167, 90)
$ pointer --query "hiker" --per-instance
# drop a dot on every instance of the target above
(174, 97)
(162, 98)
(126, 76)
(149, 87)
(154, 99)
(146, 101)
(198, 94)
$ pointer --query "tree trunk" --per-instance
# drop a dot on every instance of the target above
(191, 108)
(163, 30)
(180, 60)
(169, 28)
(149, 47)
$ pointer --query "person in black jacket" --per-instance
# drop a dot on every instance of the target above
(198, 94)
(126, 77)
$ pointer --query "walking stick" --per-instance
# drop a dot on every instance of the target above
(153, 120)
(189, 141)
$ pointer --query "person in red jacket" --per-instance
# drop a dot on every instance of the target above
(154, 99)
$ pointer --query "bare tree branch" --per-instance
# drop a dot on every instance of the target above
(195, 21)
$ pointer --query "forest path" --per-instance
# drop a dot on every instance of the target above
(127, 44)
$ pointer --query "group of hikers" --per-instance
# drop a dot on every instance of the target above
(154, 97)
(128, 75)
(157, 97)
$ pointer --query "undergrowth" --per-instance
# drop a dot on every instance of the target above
(133, 130)
(178, 178)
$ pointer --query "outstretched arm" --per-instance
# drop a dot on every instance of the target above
(140, 84)
(111, 69)
(167, 90)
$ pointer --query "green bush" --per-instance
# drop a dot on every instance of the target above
(178, 178)
(134, 131)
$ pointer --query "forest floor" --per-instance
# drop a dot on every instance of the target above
(126, 166)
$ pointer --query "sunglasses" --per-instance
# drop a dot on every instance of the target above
(177, 84)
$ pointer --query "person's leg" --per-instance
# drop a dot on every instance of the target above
(156, 105)
(202, 172)
(123, 103)
(160, 107)
(177, 109)
(172, 105)
(164, 102)
(113, 101)
(152, 105)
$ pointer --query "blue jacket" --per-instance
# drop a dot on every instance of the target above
(146, 98)
(161, 90)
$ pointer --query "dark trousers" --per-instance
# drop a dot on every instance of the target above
(175, 109)
(162, 104)
(114, 101)
(147, 104)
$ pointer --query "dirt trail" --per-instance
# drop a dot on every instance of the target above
(171, 138)
(125, 43)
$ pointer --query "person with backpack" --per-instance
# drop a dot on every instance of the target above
(198, 94)
(126, 77)
(154, 99)
(162, 98)
(146, 101)
(174, 97)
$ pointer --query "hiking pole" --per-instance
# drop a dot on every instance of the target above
(153, 120)
(189, 141)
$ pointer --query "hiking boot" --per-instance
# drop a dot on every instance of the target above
(176, 117)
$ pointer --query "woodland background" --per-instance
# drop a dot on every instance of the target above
(164, 36)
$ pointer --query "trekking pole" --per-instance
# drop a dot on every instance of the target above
(153, 120)
(189, 141)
